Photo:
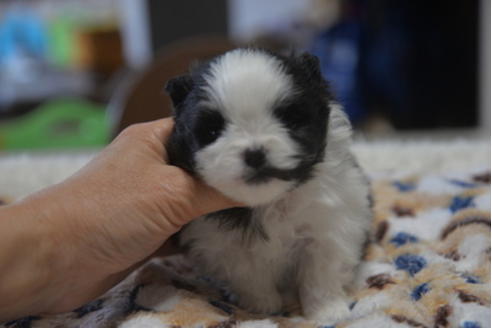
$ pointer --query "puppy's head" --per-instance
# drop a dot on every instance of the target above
(250, 123)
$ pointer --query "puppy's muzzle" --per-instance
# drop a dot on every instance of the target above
(255, 158)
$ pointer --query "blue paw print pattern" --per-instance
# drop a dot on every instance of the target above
(463, 184)
(471, 279)
(403, 238)
(419, 291)
(460, 202)
(404, 186)
(470, 324)
(410, 263)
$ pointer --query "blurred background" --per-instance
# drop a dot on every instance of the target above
(75, 73)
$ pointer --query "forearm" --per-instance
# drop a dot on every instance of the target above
(44, 258)
(57, 247)
(27, 260)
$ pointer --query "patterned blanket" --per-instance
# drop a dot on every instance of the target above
(427, 265)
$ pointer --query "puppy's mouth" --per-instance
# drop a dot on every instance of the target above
(266, 174)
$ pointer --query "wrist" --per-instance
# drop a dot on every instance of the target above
(28, 261)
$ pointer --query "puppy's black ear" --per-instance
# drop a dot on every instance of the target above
(178, 88)
(310, 65)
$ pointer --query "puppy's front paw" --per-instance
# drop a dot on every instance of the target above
(330, 313)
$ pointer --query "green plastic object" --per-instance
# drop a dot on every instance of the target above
(62, 123)
(62, 42)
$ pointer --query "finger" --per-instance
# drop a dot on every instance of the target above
(162, 128)
(197, 198)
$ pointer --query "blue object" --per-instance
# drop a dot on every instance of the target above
(463, 184)
(459, 202)
(403, 238)
(470, 324)
(22, 32)
(387, 60)
(404, 186)
(419, 291)
(410, 263)
(339, 52)
(472, 279)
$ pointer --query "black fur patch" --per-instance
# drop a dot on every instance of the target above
(299, 174)
(306, 114)
(178, 89)
(223, 306)
(209, 126)
(132, 305)
(240, 218)
(22, 323)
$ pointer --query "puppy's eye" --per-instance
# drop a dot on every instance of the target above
(293, 116)
(214, 133)
(209, 127)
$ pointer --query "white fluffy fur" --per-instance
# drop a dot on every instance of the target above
(245, 83)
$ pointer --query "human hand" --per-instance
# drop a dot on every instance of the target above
(112, 215)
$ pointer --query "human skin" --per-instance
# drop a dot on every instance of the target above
(67, 244)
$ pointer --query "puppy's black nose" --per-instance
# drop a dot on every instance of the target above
(254, 158)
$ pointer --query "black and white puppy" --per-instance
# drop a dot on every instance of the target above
(264, 130)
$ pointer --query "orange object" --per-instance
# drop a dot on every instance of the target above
(100, 51)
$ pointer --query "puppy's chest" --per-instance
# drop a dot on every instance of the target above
(286, 227)
(271, 236)
(287, 232)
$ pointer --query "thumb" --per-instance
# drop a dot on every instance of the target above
(186, 198)
(210, 200)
